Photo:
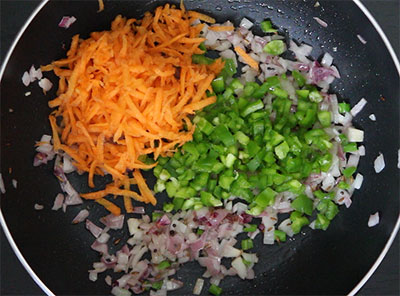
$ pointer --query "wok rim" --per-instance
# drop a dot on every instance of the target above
(43, 286)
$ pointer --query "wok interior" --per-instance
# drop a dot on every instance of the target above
(330, 262)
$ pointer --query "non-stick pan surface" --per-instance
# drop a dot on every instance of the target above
(330, 262)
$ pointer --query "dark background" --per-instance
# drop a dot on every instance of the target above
(14, 280)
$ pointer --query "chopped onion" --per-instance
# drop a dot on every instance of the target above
(398, 158)
(327, 60)
(372, 117)
(240, 268)
(379, 163)
(117, 291)
(373, 220)
(35, 74)
(58, 202)
(361, 150)
(93, 228)
(45, 84)
(112, 221)
(353, 160)
(286, 226)
(100, 247)
(38, 207)
(358, 181)
(14, 183)
(362, 40)
(321, 22)
(230, 252)
(355, 135)
(93, 276)
(198, 286)
(26, 79)
(68, 167)
(358, 107)
(2, 187)
(82, 215)
(108, 280)
(245, 23)
(67, 21)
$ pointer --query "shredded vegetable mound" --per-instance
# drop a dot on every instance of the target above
(128, 92)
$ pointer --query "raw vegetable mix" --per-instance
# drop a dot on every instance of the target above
(240, 139)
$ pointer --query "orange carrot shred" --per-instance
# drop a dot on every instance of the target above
(119, 97)
(201, 16)
(222, 28)
(112, 208)
(248, 59)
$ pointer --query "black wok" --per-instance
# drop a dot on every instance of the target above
(330, 262)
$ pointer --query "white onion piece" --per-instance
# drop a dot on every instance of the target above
(58, 202)
(353, 160)
(68, 167)
(250, 257)
(328, 182)
(66, 21)
(117, 291)
(229, 206)
(240, 267)
(112, 221)
(358, 181)
(286, 227)
(321, 22)
(253, 234)
(269, 238)
(35, 74)
(26, 79)
(93, 228)
(93, 276)
(379, 163)
(239, 208)
(161, 292)
(358, 107)
(2, 187)
(45, 84)
(361, 150)
(229, 54)
(138, 210)
(355, 135)
(38, 207)
(198, 286)
(327, 60)
(14, 183)
(103, 238)
(230, 252)
(372, 117)
(81, 216)
(373, 220)
(99, 247)
(398, 158)
(108, 280)
(173, 284)
(245, 23)
(362, 40)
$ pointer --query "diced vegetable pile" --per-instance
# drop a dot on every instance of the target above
(238, 140)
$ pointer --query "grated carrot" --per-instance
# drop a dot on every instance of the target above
(119, 97)
(112, 208)
(203, 17)
(222, 28)
(247, 59)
